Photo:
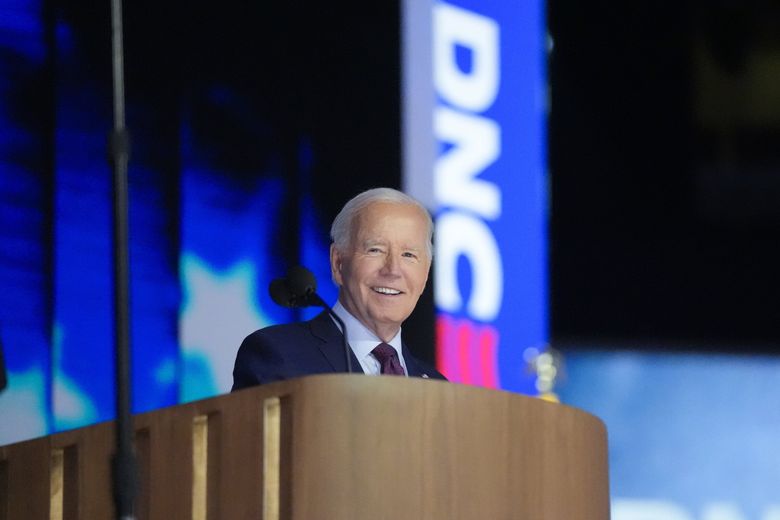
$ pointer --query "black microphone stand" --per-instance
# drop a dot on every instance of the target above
(3, 376)
(124, 463)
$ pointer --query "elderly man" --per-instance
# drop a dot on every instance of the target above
(379, 258)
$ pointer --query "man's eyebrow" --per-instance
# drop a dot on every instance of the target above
(369, 242)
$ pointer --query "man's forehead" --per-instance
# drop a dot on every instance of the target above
(383, 220)
(389, 211)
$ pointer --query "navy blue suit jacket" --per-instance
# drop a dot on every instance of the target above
(299, 349)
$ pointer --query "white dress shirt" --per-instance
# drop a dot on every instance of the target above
(362, 341)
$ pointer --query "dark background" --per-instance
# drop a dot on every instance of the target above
(664, 226)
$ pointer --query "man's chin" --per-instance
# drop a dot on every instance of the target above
(385, 323)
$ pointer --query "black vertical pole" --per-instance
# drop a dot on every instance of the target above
(3, 378)
(124, 464)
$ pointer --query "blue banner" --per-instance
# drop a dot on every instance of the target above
(486, 184)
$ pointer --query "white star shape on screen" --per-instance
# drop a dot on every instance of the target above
(218, 312)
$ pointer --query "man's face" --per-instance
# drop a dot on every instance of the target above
(384, 270)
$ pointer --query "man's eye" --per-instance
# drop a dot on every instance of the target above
(410, 255)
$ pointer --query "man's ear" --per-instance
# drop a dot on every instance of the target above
(335, 265)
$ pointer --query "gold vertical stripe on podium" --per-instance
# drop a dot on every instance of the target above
(200, 459)
(56, 484)
(272, 415)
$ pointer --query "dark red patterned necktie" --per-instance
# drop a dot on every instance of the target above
(388, 358)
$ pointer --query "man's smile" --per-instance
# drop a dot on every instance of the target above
(386, 290)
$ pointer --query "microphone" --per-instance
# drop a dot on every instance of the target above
(299, 289)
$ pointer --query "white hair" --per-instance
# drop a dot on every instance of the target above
(341, 230)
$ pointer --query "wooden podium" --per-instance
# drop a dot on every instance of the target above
(330, 447)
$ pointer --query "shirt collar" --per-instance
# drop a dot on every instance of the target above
(361, 339)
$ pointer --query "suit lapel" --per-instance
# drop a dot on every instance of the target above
(331, 346)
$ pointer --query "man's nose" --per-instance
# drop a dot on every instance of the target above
(392, 265)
